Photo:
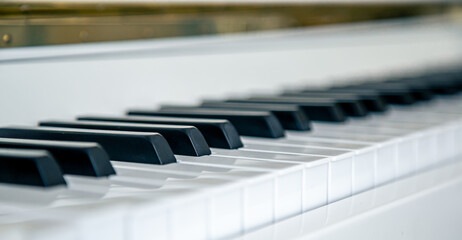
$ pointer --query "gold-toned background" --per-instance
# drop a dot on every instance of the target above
(47, 23)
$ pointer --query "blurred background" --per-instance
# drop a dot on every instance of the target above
(32, 22)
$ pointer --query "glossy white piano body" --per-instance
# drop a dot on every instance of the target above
(65, 81)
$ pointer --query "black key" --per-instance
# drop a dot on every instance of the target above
(351, 105)
(217, 133)
(29, 167)
(380, 106)
(371, 99)
(442, 83)
(184, 140)
(416, 90)
(392, 93)
(120, 145)
(455, 77)
(316, 109)
(249, 123)
(78, 158)
(291, 117)
(419, 90)
(445, 82)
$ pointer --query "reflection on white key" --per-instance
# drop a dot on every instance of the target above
(340, 165)
(309, 142)
(288, 198)
(315, 172)
(91, 221)
(40, 229)
(288, 180)
(363, 163)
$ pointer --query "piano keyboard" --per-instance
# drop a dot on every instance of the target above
(261, 171)
(224, 167)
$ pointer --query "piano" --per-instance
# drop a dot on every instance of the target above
(347, 130)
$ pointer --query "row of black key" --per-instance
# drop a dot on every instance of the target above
(85, 146)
